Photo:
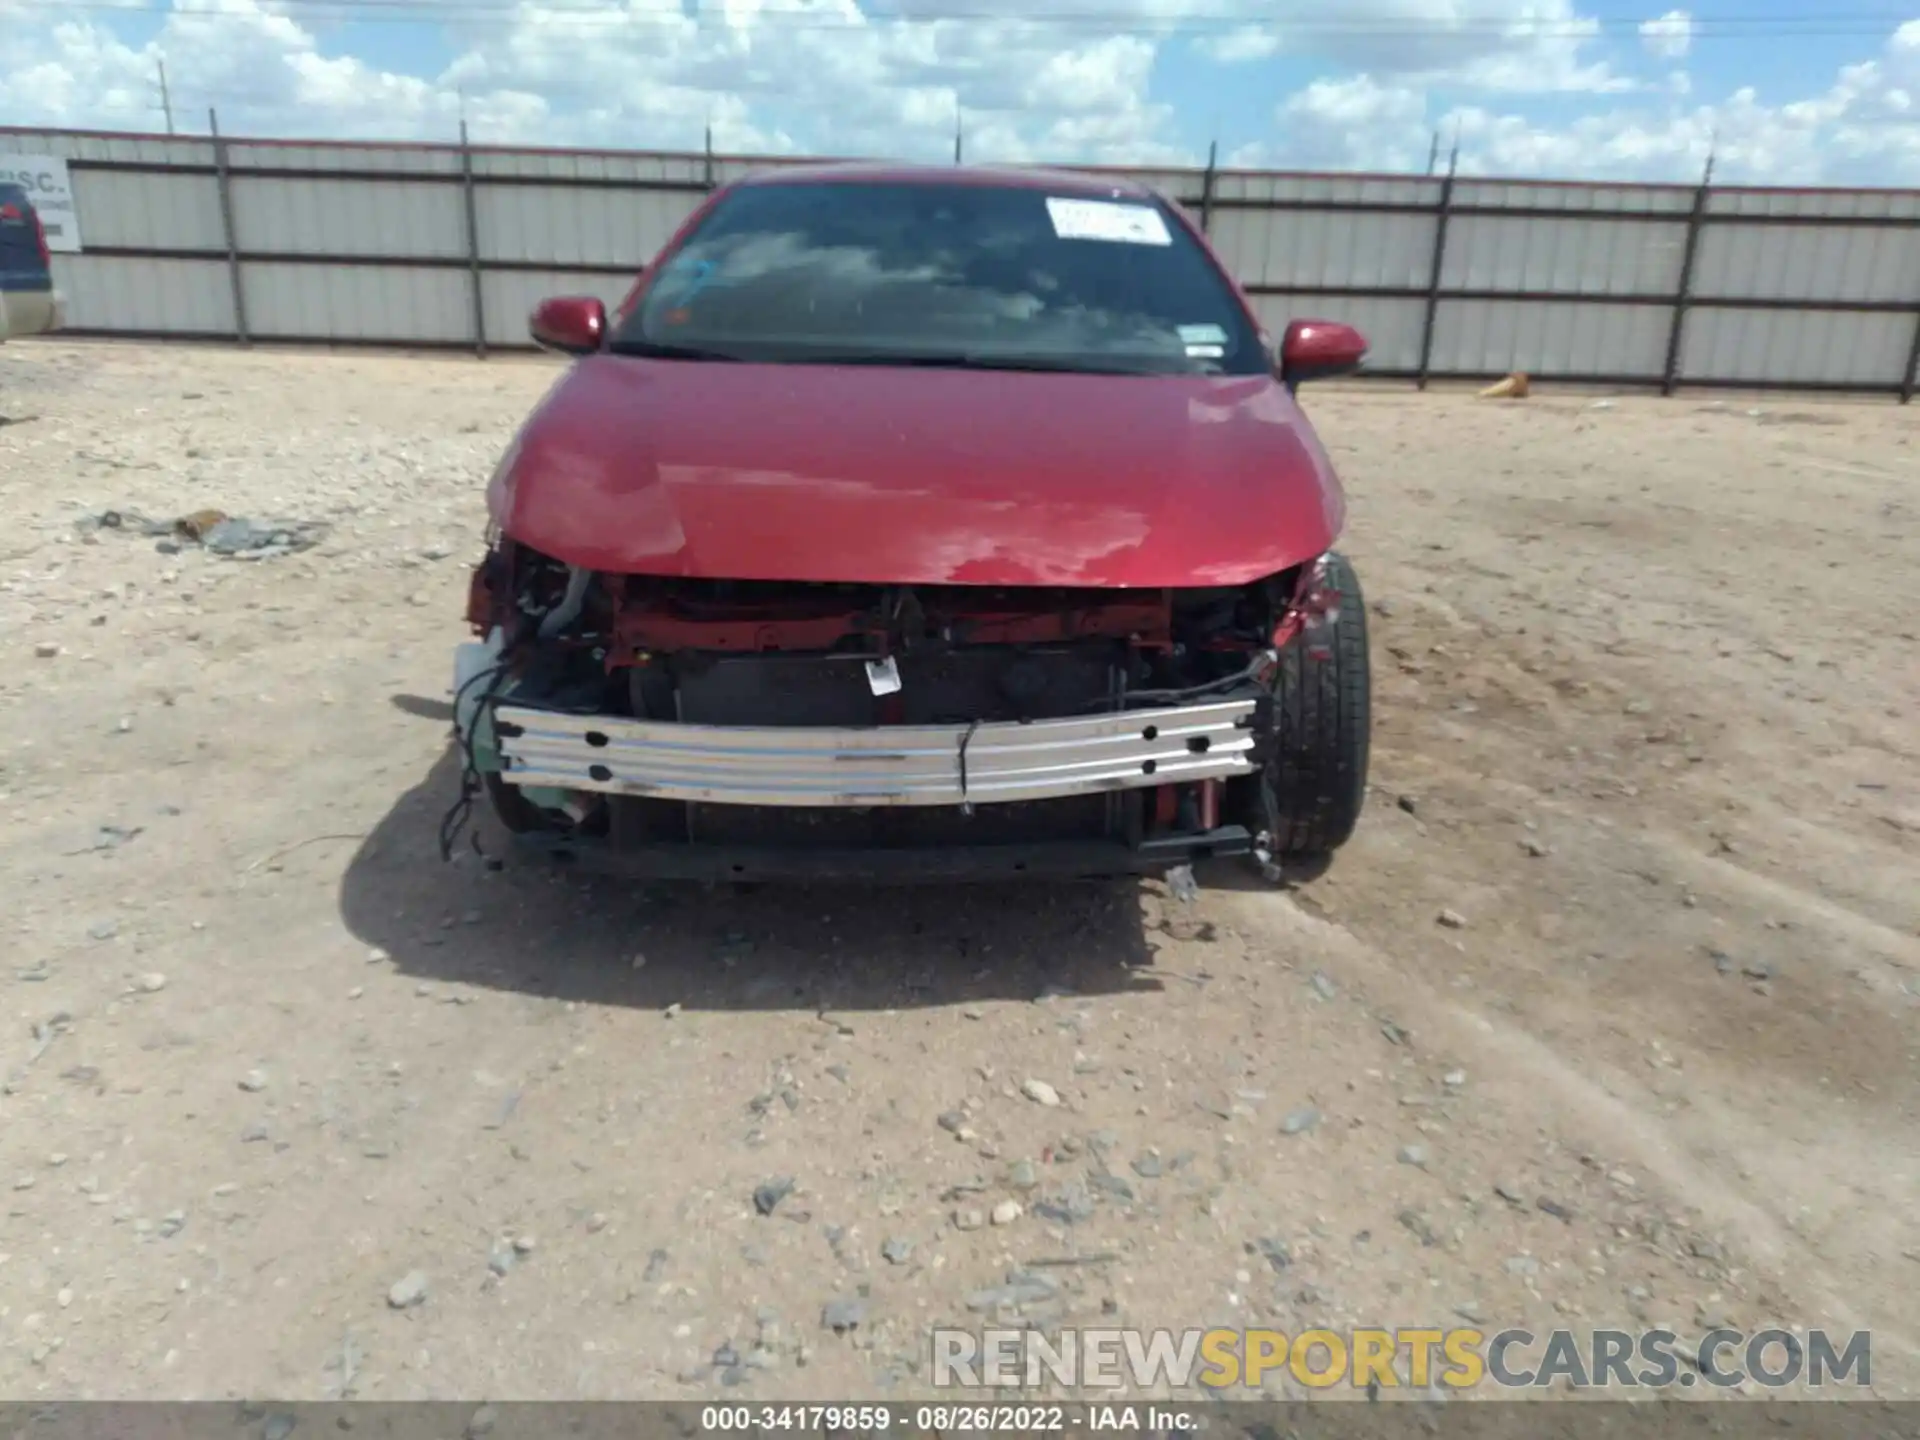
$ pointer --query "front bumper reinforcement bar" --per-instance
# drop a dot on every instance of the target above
(881, 765)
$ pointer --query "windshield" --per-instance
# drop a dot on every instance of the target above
(937, 274)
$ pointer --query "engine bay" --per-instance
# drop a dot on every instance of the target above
(845, 659)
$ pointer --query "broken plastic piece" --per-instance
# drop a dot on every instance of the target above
(200, 523)
(219, 533)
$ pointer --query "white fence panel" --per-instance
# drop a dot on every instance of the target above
(1574, 198)
(556, 225)
(144, 296)
(146, 210)
(1337, 249)
(1549, 337)
(394, 304)
(1804, 262)
(371, 218)
(1786, 287)
(1802, 347)
(1572, 256)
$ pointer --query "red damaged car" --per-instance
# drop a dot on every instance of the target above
(918, 523)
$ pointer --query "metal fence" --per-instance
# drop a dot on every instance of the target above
(448, 246)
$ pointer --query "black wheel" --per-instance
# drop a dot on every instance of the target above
(1315, 780)
(511, 808)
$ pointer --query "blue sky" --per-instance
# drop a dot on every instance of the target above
(1786, 93)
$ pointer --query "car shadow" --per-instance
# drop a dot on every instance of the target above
(422, 708)
(493, 919)
(1240, 873)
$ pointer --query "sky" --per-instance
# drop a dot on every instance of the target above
(1815, 92)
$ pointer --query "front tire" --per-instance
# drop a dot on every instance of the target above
(1314, 783)
(511, 808)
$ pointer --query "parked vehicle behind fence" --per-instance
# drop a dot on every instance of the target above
(29, 302)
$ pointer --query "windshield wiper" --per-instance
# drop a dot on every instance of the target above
(653, 350)
(974, 361)
(956, 360)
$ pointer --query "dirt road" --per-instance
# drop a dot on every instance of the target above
(1608, 1017)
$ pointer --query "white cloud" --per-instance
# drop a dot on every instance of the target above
(831, 78)
(1861, 129)
(257, 65)
(636, 72)
(1670, 36)
(1239, 45)
(1513, 45)
(1357, 124)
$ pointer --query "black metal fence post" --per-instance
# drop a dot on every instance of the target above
(1442, 215)
(224, 181)
(1911, 380)
(1206, 188)
(709, 171)
(473, 247)
(1683, 294)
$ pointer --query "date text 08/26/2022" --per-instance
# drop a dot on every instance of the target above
(1158, 1419)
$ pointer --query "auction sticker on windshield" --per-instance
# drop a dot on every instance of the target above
(1105, 220)
(1203, 342)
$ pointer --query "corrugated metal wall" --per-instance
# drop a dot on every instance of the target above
(443, 246)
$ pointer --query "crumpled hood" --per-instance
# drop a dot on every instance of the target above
(916, 476)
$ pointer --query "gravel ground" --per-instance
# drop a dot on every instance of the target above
(1607, 1017)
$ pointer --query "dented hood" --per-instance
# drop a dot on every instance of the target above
(882, 475)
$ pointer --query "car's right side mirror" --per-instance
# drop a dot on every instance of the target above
(571, 324)
(1319, 349)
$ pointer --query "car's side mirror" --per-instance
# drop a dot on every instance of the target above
(572, 324)
(1317, 349)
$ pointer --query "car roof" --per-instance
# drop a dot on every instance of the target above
(16, 194)
(1006, 177)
